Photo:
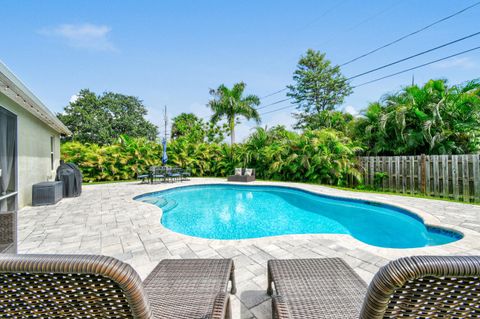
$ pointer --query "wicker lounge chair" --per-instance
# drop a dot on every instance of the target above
(89, 286)
(411, 287)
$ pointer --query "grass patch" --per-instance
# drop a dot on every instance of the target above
(110, 182)
(399, 194)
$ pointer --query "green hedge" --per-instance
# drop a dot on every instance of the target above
(323, 156)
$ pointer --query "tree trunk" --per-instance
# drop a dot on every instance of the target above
(232, 130)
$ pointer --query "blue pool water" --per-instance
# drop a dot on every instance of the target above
(240, 212)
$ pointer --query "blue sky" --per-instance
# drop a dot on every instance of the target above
(171, 52)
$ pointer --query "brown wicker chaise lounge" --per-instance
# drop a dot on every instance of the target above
(90, 286)
(410, 287)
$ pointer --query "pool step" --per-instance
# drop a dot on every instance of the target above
(161, 202)
(150, 200)
(171, 204)
(157, 201)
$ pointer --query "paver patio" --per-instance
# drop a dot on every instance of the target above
(106, 220)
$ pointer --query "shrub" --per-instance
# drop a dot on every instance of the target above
(323, 156)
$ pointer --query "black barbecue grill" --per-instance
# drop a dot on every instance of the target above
(71, 177)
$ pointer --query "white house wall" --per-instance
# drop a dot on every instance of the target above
(33, 150)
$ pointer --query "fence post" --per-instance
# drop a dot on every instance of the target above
(423, 173)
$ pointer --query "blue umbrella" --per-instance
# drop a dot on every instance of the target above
(164, 157)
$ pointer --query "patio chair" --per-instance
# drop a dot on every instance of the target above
(89, 286)
(174, 173)
(410, 287)
(143, 177)
(159, 173)
(186, 174)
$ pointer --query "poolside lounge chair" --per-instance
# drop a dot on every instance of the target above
(411, 287)
(247, 175)
(144, 177)
(174, 174)
(186, 173)
(89, 286)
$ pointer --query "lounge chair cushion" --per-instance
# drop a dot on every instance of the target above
(238, 171)
(248, 172)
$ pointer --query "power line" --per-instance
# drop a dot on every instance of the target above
(391, 43)
(276, 110)
(326, 12)
(306, 26)
(390, 75)
(395, 62)
(337, 4)
(417, 67)
(349, 29)
(277, 102)
(276, 92)
(379, 13)
(414, 56)
(410, 34)
(353, 27)
(387, 65)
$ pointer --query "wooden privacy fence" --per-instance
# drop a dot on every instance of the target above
(445, 176)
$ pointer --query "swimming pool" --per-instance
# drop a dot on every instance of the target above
(220, 211)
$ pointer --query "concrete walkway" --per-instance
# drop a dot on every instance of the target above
(106, 220)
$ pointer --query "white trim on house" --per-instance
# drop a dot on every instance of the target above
(11, 86)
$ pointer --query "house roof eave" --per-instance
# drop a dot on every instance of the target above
(12, 86)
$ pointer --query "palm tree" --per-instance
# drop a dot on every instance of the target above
(431, 119)
(231, 104)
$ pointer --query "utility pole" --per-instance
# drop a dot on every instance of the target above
(413, 79)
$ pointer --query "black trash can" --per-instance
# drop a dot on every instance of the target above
(71, 177)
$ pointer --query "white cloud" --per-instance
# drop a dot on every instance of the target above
(463, 62)
(350, 109)
(73, 98)
(83, 36)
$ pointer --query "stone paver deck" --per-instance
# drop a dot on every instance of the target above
(106, 220)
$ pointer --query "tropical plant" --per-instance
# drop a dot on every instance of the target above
(120, 161)
(323, 156)
(431, 119)
(319, 86)
(231, 105)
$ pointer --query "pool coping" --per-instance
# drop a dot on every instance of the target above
(427, 218)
